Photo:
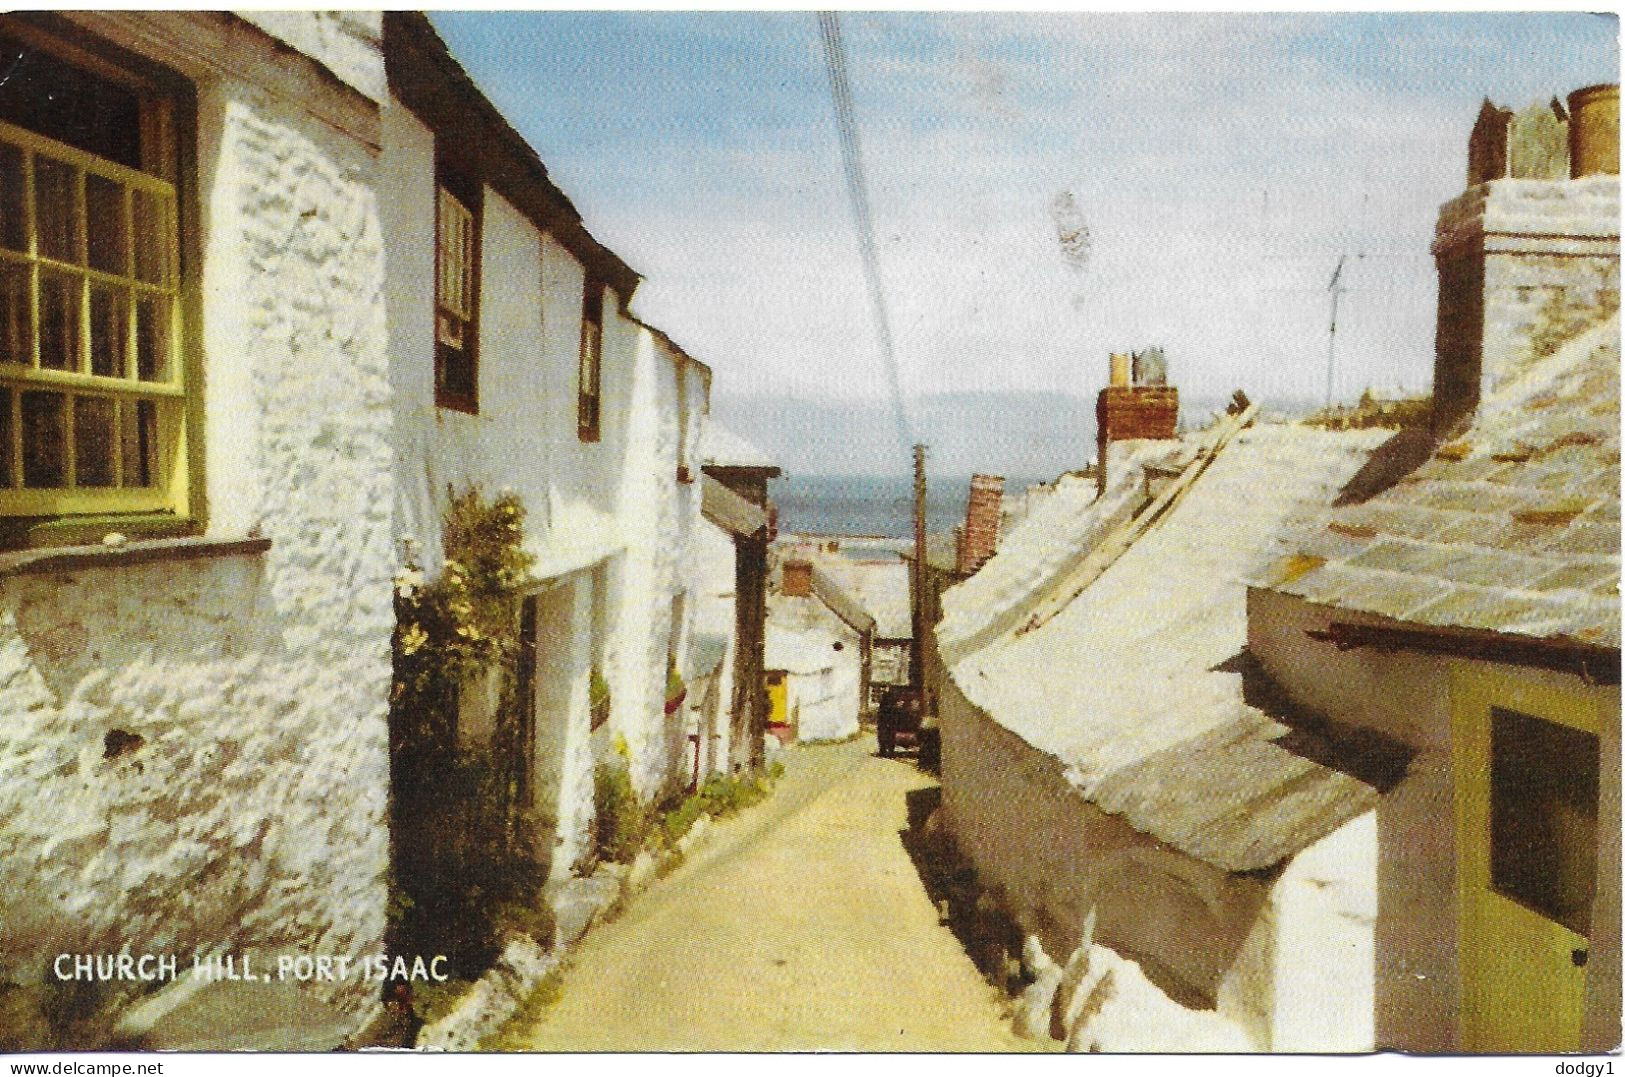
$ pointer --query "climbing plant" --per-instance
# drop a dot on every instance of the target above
(462, 847)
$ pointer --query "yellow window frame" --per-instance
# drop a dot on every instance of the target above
(127, 391)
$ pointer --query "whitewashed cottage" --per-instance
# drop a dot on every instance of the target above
(195, 500)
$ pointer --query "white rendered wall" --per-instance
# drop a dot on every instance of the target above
(252, 818)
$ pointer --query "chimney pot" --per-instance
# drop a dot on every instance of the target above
(1122, 369)
(797, 579)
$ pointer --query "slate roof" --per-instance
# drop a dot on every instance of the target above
(1135, 686)
(880, 588)
(834, 593)
(1048, 543)
(1512, 527)
(721, 447)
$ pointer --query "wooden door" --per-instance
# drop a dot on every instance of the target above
(1527, 777)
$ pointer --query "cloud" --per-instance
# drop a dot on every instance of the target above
(1222, 164)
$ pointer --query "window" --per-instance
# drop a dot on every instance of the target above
(1543, 816)
(592, 353)
(456, 295)
(92, 389)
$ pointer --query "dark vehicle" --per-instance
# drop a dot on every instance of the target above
(898, 723)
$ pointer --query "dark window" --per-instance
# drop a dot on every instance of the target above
(73, 106)
(456, 293)
(592, 354)
(1543, 816)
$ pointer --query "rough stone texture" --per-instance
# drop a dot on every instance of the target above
(1123, 1011)
(1505, 250)
(1037, 999)
(493, 999)
(251, 817)
(577, 902)
(347, 43)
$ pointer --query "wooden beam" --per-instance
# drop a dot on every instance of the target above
(1592, 663)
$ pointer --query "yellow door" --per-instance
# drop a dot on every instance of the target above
(1527, 772)
(775, 698)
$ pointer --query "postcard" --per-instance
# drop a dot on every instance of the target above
(789, 531)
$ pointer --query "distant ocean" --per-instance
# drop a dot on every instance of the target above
(869, 505)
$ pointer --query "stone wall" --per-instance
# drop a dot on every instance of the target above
(246, 811)
(1509, 253)
(1405, 695)
(1285, 957)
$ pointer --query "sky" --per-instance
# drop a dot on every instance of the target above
(1220, 167)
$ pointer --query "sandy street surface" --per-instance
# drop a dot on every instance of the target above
(801, 924)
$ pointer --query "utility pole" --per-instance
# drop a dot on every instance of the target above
(916, 661)
(1331, 337)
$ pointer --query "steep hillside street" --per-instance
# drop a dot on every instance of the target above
(802, 924)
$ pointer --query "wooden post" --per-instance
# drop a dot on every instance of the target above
(916, 663)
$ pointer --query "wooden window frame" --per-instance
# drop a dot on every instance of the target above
(590, 373)
(138, 306)
(464, 318)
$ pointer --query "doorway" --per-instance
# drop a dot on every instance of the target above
(1528, 765)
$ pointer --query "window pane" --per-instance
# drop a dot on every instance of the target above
(152, 353)
(153, 236)
(456, 372)
(13, 200)
(138, 437)
(1543, 816)
(59, 307)
(104, 209)
(16, 338)
(109, 330)
(56, 209)
(45, 439)
(93, 440)
(7, 449)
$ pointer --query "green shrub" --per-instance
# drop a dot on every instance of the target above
(621, 819)
(463, 848)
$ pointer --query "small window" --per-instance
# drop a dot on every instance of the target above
(92, 395)
(1543, 816)
(456, 296)
(592, 354)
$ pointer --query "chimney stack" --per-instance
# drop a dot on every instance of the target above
(797, 579)
(1148, 408)
(1512, 256)
(981, 535)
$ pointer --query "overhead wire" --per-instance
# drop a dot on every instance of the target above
(829, 29)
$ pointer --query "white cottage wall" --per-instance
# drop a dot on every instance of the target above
(251, 815)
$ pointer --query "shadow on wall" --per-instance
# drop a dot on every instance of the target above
(1363, 754)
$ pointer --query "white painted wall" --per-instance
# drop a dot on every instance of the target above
(1286, 960)
(714, 612)
(253, 817)
(1405, 695)
(611, 507)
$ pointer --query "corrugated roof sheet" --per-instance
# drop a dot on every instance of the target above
(1513, 527)
(1131, 684)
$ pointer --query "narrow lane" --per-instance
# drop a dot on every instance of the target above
(800, 925)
